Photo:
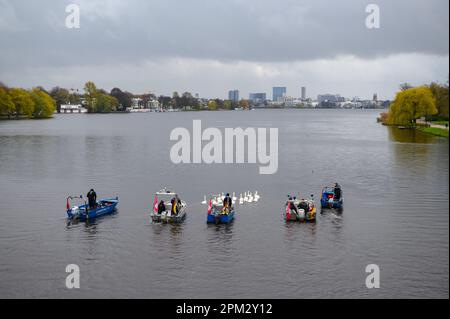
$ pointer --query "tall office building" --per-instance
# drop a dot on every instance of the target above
(303, 93)
(233, 95)
(278, 93)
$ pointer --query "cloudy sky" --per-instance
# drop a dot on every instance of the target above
(211, 46)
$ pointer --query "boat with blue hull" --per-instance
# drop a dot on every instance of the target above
(83, 212)
(332, 197)
(217, 214)
(219, 218)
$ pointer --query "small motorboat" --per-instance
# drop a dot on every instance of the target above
(300, 210)
(330, 199)
(217, 214)
(83, 212)
(162, 207)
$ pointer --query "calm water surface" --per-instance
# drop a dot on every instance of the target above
(396, 211)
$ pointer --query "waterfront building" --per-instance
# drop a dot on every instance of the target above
(332, 98)
(278, 93)
(257, 98)
(72, 108)
(233, 95)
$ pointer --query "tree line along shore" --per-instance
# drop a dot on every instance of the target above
(425, 108)
(17, 103)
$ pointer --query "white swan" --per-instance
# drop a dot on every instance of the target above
(257, 197)
(234, 197)
(241, 199)
(245, 197)
(250, 197)
(204, 200)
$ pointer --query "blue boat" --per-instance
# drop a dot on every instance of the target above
(104, 207)
(218, 215)
(329, 199)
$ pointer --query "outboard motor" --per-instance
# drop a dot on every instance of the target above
(301, 214)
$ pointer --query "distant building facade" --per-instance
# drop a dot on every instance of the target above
(303, 96)
(279, 93)
(233, 95)
(257, 98)
(72, 108)
(332, 98)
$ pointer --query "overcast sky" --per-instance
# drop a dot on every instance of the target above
(211, 46)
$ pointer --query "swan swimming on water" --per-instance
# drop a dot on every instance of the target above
(204, 200)
(250, 197)
(257, 197)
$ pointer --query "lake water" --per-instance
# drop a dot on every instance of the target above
(396, 215)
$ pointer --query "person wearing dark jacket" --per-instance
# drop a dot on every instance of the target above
(92, 198)
(161, 207)
(337, 191)
(227, 201)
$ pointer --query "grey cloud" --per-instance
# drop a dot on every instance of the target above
(263, 30)
(209, 46)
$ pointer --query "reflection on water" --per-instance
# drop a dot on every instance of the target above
(410, 135)
(296, 232)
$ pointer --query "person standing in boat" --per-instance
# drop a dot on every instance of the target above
(174, 203)
(227, 203)
(92, 198)
(337, 191)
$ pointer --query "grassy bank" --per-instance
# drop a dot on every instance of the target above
(439, 122)
(434, 131)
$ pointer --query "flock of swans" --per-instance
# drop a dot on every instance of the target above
(247, 197)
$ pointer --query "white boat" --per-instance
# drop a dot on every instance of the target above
(162, 208)
(137, 110)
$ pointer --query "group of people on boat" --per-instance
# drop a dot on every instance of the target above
(175, 205)
(303, 204)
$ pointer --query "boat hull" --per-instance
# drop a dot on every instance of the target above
(302, 218)
(218, 218)
(334, 204)
(168, 218)
(328, 199)
(83, 213)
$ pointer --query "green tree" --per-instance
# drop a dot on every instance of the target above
(212, 105)
(411, 104)
(44, 104)
(123, 98)
(61, 96)
(7, 106)
(90, 93)
(164, 101)
(106, 103)
(176, 100)
(228, 105)
(440, 93)
(23, 102)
